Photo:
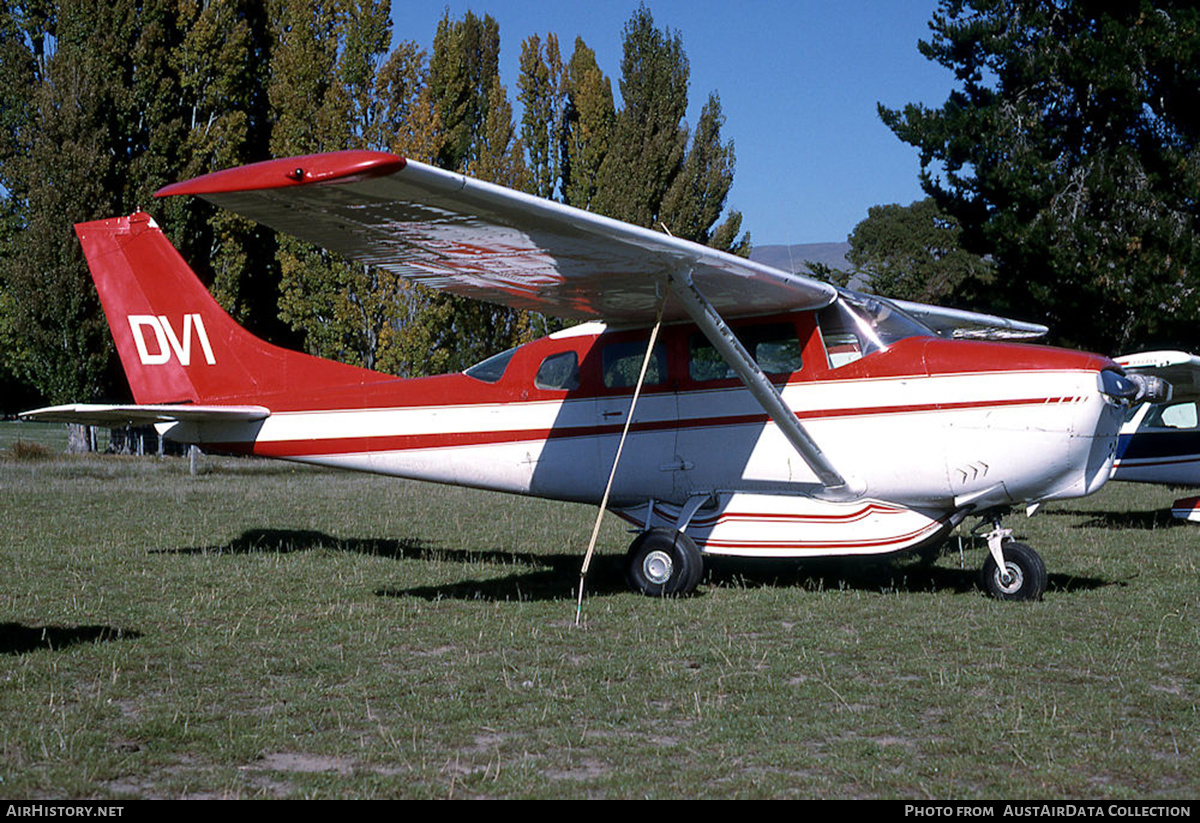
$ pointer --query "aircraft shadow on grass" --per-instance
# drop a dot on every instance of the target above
(540, 577)
(1147, 520)
(17, 638)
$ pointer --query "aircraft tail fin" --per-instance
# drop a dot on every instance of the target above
(176, 344)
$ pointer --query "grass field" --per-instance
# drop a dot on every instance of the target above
(263, 630)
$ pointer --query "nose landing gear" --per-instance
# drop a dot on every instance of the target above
(1012, 571)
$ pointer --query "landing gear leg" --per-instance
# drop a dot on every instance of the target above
(1012, 571)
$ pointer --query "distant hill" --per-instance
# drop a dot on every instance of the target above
(791, 258)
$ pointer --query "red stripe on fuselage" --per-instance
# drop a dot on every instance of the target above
(312, 447)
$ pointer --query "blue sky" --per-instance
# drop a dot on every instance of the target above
(799, 82)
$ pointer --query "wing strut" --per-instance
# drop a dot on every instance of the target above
(705, 316)
(637, 390)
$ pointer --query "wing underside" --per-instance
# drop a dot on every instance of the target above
(488, 242)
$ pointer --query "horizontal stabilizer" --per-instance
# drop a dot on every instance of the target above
(91, 414)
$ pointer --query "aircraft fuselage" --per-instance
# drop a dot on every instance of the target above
(928, 425)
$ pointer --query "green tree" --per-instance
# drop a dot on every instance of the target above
(588, 121)
(915, 253)
(222, 64)
(450, 110)
(542, 96)
(1068, 153)
(85, 136)
(408, 123)
(694, 202)
(466, 57)
(100, 105)
(648, 175)
(324, 93)
(648, 142)
(499, 154)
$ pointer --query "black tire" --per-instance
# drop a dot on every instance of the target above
(1028, 574)
(664, 563)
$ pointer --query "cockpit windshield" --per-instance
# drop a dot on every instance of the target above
(856, 325)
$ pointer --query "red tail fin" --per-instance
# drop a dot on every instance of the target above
(175, 342)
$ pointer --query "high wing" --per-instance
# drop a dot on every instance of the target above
(92, 414)
(1180, 369)
(488, 242)
(970, 325)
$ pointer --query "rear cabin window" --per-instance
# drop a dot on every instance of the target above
(775, 347)
(492, 369)
(623, 361)
(558, 372)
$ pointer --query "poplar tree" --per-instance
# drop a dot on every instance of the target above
(648, 142)
(324, 97)
(694, 202)
(466, 56)
(543, 98)
(222, 64)
(85, 135)
(649, 176)
(588, 120)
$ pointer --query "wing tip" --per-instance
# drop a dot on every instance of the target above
(284, 172)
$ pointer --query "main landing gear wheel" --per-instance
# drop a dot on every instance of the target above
(664, 562)
(1025, 577)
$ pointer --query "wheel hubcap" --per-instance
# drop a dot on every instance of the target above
(1012, 581)
(657, 567)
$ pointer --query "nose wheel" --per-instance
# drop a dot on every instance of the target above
(664, 562)
(1012, 571)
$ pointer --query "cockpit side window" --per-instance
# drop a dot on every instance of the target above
(622, 362)
(1173, 416)
(843, 336)
(558, 372)
(774, 346)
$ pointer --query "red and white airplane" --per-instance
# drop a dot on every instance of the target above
(778, 416)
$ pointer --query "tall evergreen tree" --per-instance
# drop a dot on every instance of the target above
(542, 96)
(648, 140)
(588, 121)
(1068, 152)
